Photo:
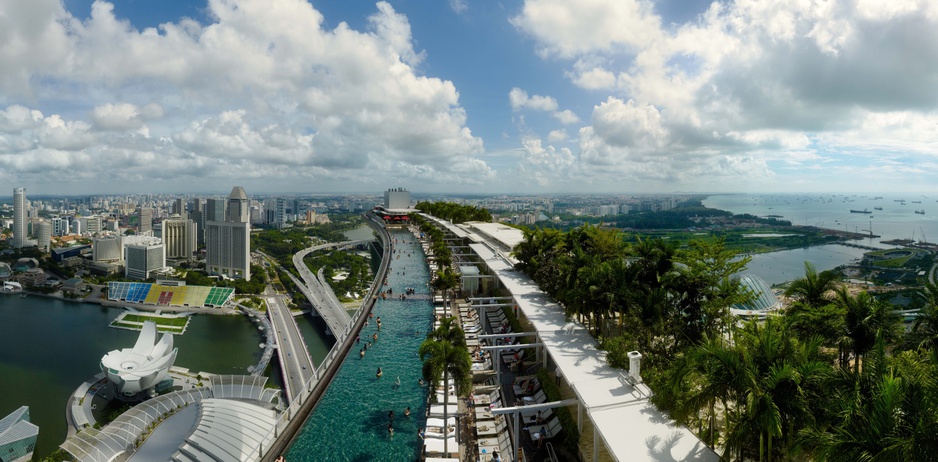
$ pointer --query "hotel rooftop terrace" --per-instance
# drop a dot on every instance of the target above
(630, 427)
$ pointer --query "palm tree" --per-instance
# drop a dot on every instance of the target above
(445, 356)
(708, 372)
(445, 281)
(812, 288)
(865, 320)
(924, 333)
(887, 412)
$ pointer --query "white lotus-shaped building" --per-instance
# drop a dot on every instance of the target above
(139, 368)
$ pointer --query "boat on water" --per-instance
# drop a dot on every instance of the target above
(920, 212)
(860, 211)
(877, 208)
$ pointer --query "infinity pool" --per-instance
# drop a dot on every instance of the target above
(351, 421)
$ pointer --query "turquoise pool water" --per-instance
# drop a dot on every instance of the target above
(351, 421)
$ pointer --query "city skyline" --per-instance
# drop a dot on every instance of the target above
(517, 97)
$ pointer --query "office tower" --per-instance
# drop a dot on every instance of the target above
(19, 217)
(45, 235)
(228, 243)
(93, 224)
(215, 210)
(238, 206)
(141, 260)
(107, 249)
(17, 435)
(398, 198)
(145, 221)
(197, 214)
(179, 237)
(179, 207)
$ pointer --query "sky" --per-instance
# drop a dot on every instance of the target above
(468, 96)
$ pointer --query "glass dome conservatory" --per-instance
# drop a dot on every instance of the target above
(763, 298)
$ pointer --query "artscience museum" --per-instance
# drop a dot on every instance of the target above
(141, 368)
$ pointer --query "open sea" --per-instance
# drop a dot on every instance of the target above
(891, 217)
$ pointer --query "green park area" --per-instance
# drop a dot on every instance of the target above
(894, 258)
(164, 323)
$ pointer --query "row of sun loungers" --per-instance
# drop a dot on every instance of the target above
(437, 429)
(491, 429)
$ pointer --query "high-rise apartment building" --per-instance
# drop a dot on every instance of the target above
(19, 217)
(60, 226)
(179, 237)
(145, 221)
(228, 243)
(93, 224)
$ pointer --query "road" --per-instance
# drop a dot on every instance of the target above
(295, 362)
(319, 294)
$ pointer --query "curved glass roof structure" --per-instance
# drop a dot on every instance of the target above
(763, 298)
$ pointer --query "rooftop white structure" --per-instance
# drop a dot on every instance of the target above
(234, 414)
(142, 367)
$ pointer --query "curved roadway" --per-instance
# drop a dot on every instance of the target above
(295, 362)
(319, 294)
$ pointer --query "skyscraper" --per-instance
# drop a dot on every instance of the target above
(228, 243)
(197, 214)
(145, 220)
(238, 206)
(141, 260)
(214, 210)
(19, 217)
(179, 207)
(45, 235)
(179, 237)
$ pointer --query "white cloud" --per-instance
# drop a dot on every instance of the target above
(595, 78)
(746, 87)
(124, 116)
(566, 117)
(262, 86)
(459, 6)
(567, 29)
(557, 135)
(519, 99)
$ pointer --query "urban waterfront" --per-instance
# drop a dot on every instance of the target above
(48, 347)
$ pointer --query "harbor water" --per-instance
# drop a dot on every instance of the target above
(832, 211)
(48, 347)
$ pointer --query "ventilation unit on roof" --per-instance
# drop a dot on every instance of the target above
(635, 367)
